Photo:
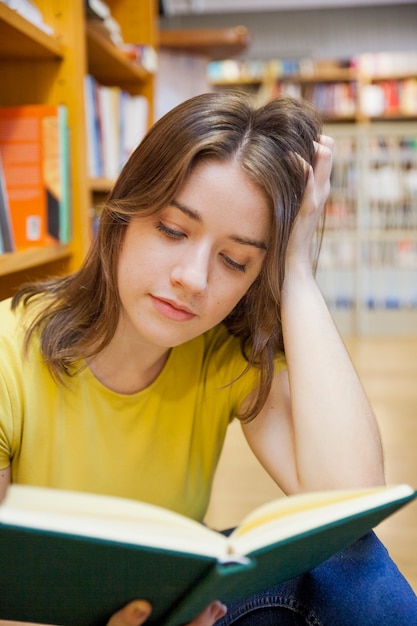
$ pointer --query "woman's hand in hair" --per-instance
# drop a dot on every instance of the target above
(312, 205)
(137, 612)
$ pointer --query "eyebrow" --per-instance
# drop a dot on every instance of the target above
(195, 215)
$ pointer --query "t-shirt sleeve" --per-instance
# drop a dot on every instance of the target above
(249, 381)
(10, 384)
(6, 423)
(233, 371)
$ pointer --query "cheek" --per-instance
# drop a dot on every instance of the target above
(136, 259)
(228, 296)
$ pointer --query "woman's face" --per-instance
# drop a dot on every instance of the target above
(183, 270)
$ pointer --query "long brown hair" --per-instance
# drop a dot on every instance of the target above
(79, 313)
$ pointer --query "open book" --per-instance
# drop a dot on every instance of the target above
(75, 558)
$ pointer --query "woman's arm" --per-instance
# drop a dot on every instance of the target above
(317, 429)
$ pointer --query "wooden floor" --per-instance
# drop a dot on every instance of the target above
(388, 369)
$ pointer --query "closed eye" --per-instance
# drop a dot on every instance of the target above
(233, 264)
(169, 232)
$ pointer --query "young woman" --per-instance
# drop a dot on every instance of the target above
(123, 377)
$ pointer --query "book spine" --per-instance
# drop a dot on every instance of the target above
(94, 140)
(22, 155)
(116, 122)
(65, 199)
(6, 232)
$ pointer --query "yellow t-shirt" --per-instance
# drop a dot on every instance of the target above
(160, 445)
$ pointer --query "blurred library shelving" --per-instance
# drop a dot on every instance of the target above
(368, 262)
(368, 259)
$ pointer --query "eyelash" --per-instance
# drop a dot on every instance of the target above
(176, 234)
(169, 232)
(233, 265)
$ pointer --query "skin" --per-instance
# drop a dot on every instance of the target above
(181, 273)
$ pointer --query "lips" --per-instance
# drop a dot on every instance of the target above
(172, 310)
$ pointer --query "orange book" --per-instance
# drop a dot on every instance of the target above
(32, 147)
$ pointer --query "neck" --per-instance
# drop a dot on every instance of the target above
(128, 370)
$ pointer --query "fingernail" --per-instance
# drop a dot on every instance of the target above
(141, 612)
(218, 610)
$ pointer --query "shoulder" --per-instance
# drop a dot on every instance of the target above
(14, 323)
(214, 357)
(218, 356)
(7, 316)
(12, 327)
(224, 350)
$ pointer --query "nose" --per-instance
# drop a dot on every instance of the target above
(191, 269)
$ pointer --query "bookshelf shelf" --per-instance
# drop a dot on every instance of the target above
(22, 40)
(26, 259)
(393, 235)
(394, 117)
(109, 65)
(100, 185)
(341, 93)
(338, 76)
(214, 43)
(238, 82)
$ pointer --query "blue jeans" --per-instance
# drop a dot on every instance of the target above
(360, 586)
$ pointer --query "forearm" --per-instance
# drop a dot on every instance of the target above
(336, 438)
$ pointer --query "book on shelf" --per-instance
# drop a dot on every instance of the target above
(97, 9)
(94, 143)
(30, 11)
(6, 233)
(99, 15)
(34, 148)
(134, 116)
(109, 113)
(75, 558)
(116, 122)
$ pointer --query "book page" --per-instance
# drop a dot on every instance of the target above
(290, 516)
(108, 517)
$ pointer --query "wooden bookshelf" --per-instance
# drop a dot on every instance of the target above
(100, 185)
(109, 65)
(38, 68)
(214, 43)
(33, 257)
(22, 40)
(318, 84)
(368, 260)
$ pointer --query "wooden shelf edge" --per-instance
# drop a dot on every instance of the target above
(11, 262)
(100, 185)
(237, 82)
(20, 39)
(335, 76)
(107, 63)
(215, 43)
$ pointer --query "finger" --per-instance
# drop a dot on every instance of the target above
(210, 615)
(322, 167)
(327, 141)
(324, 154)
(133, 614)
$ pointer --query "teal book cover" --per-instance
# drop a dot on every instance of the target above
(73, 559)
